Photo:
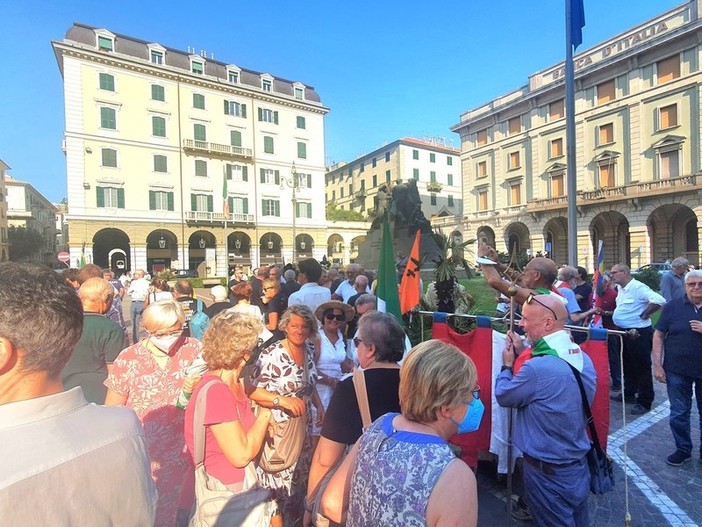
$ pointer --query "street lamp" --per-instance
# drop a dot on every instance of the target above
(294, 183)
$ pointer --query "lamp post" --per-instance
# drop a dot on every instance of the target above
(294, 183)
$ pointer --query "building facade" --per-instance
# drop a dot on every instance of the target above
(177, 160)
(26, 207)
(435, 167)
(4, 245)
(638, 152)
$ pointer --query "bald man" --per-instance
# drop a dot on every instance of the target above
(550, 420)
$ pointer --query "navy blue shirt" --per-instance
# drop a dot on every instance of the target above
(683, 347)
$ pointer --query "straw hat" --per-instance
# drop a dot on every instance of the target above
(335, 304)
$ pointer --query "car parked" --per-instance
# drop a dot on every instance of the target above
(658, 267)
(185, 273)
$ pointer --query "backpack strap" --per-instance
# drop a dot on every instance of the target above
(199, 424)
(586, 407)
(359, 385)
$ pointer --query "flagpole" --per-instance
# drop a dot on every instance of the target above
(570, 137)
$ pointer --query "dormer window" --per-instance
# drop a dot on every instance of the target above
(267, 85)
(105, 40)
(299, 91)
(156, 57)
(233, 74)
(157, 54)
(197, 66)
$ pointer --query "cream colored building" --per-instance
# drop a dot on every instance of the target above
(637, 104)
(26, 207)
(4, 246)
(151, 134)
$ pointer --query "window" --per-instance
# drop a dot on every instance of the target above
(482, 200)
(201, 168)
(668, 117)
(449, 160)
(387, 176)
(556, 110)
(105, 43)
(299, 93)
(668, 164)
(198, 101)
(158, 126)
(267, 85)
(156, 57)
(606, 175)
(606, 92)
(197, 67)
(237, 173)
(109, 197)
(375, 180)
(301, 150)
(333, 195)
(304, 180)
(481, 169)
(449, 179)
(159, 200)
(158, 93)
(415, 173)
(107, 82)
(415, 154)
(270, 176)
(481, 137)
(267, 116)
(514, 125)
(341, 192)
(235, 138)
(450, 200)
(201, 203)
(557, 185)
(199, 132)
(387, 157)
(239, 205)
(234, 108)
(268, 147)
(303, 210)
(514, 161)
(362, 168)
(300, 122)
(109, 157)
(432, 158)
(556, 148)
(515, 194)
(108, 118)
(432, 176)
(374, 162)
(270, 207)
(605, 134)
(432, 198)
(233, 76)
(350, 190)
(668, 69)
(160, 163)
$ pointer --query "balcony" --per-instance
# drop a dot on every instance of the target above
(434, 186)
(217, 218)
(541, 205)
(216, 149)
(360, 194)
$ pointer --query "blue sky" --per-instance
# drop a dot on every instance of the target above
(386, 69)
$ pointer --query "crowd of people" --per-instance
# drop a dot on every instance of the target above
(305, 391)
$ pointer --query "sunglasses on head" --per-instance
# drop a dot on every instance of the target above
(532, 298)
(332, 316)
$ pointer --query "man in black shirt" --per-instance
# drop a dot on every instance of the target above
(183, 293)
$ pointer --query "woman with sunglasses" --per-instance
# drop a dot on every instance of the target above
(147, 377)
(273, 306)
(286, 373)
(402, 471)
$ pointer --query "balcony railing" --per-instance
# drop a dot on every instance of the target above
(218, 217)
(216, 148)
(434, 186)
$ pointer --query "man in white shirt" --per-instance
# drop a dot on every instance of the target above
(346, 288)
(138, 291)
(310, 293)
(636, 302)
(64, 461)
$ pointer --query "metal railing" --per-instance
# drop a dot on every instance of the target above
(217, 148)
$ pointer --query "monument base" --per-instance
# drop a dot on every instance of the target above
(369, 249)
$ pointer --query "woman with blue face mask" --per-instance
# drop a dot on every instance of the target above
(402, 471)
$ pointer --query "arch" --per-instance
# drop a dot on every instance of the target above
(304, 245)
(612, 228)
(335, 248)
(198, 245)
(271, 246)
(672, 229)
(353, 247)
(486, 235)
(239, 249)
(161, 250)
(517, 238)
(556, 237)
(111, 248)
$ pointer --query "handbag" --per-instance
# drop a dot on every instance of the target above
(215, 502)
(600, 465)
(315, 501)
(284, 440)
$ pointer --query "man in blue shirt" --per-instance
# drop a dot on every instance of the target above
(679, 333)
(550, 420)
(672, 281)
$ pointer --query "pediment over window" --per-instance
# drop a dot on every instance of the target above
(670, 141)
(608, 156)
(556, 167)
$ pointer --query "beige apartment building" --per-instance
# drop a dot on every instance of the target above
(638, 148)
(152, 135)
(4, 246)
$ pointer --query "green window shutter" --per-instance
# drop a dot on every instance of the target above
(199, 132)
(230, 202)
(301, 150)
(170, 201)
(210, 203)
(245, 173)
(309, 210)
(100, 196)
(193, 202)
(276, 207)
(260, 114)
(275, 117)
(415, 173)
(263, 175)
(152, 200)
(245, 205)
(120, 198)
(277, 177)
(236, 138)
(226, 107)
(301, 122)
(107, 82)
(243, 110)
(297, 210)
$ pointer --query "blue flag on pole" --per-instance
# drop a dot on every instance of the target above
(577, 22)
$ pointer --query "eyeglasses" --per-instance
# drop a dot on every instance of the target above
(169, 334)
(332, 316)
(475, 392)
(532, 298)
(694, 284)
(356, 341)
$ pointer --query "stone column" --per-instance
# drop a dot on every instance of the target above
(139, 257)
(221, 258)
(586, 258)
(639, 245)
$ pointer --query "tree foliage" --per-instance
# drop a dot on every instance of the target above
(335, 214)
(24, 243)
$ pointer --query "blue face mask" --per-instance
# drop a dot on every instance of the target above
(471, 421)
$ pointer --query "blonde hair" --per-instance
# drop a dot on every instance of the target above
(434, 374)
(229, 337)
(304, 313)
(162, 315)
(96, 290)
(272, 282)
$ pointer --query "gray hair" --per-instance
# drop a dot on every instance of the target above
(567, 272)
(383, 330)
(162, 315)
(680, 262)
(697, 273)
(219, 293)
(289, 275)
(364, 299)
(304, 313)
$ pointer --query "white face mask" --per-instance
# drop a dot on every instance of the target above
(164, 343)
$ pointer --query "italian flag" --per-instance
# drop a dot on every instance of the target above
(560, 344)
(388, 297)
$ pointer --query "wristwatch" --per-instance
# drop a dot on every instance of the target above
(276, 402)
(505, 367)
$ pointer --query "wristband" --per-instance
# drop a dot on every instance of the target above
(506, 368)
